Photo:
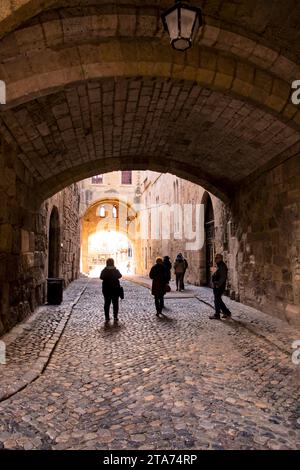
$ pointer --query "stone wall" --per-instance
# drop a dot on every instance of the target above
(67, 203)
(24, 239)
(267, 248)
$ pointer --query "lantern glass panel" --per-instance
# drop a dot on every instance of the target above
(172, 23)
(187, 22)
(196, 27)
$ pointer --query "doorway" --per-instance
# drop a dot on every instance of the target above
(209, 239)
(54, 244)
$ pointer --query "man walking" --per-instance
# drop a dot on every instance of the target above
(186, 265)
(111, 289)
(219, 279)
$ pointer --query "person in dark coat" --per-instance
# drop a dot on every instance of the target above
(186, 265)
(159, 278)
(219, 279)
(168, 266)
(179, 269)
(111, 288)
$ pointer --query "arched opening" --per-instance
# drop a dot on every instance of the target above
(108, 230)
(209, 222)
(54, 244)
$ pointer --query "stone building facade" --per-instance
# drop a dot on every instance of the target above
(123, 185)
(160, 191)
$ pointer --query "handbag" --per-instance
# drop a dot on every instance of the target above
(121, 292)
(167, 288)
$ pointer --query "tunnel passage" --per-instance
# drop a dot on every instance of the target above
(87, 95)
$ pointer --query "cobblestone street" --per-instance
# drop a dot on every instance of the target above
(177, 382)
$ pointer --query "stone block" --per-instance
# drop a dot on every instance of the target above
(24, 241)
(208, 60)
(205, 76)
(223, 81)
(245, 72)
(263, 80)
(6, 237)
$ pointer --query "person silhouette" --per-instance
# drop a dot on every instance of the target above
(110, 276)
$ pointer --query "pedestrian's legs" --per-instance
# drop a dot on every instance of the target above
(177, 281)
(218, 300)
(161, 303)
(107, 302)
(157, 304)
(115, 302)
(224, 309)
(182, 282)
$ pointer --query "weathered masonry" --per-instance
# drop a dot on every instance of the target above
(97, 88)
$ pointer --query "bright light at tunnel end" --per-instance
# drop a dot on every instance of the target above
(2, 92)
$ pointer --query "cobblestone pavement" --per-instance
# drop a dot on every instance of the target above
(30, 343)
(178, 382)
(272, 329)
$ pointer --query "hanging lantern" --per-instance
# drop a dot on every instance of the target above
(182, 22)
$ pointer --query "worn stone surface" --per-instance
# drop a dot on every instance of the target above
(178, 382)
(24, 239)
(266, 231)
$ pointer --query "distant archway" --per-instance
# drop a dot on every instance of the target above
(54, 244)
(108, 222)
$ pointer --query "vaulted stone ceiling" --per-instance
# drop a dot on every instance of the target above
(214, 138)
(94, 86)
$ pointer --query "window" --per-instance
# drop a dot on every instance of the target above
(98, 179)
(126, 177)
(102, 211)
(88, 196)
(115, 212)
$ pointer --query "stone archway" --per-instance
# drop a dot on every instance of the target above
(108, 216)
(54, 244)
(86, 95)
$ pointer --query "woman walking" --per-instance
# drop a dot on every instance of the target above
(159, 278)
(111, 288)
